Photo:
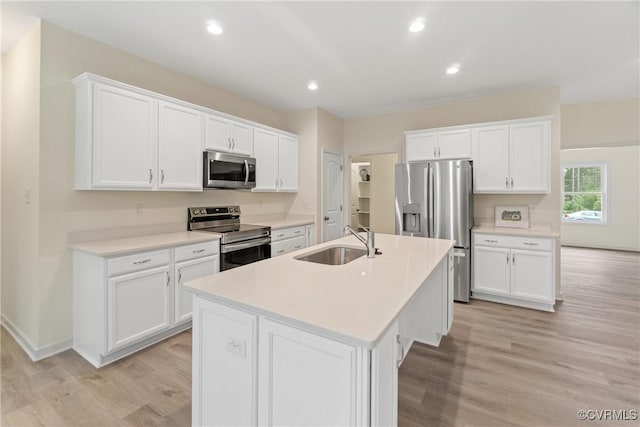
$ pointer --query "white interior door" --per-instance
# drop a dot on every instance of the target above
(331, 196)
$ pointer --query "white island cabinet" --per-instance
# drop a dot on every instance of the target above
(290, 342)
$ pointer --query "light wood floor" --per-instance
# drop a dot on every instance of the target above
(500, 365)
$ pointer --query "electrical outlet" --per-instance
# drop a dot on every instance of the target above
(138, 209)
(237, 346)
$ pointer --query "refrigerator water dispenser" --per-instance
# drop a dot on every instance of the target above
(411, 218)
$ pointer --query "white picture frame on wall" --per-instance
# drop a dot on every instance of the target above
(513, 216)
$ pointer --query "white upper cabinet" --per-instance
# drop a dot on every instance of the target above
(129, 138)
(529, 157)
(124, 138)
(450, 144)
(491, 159)
(222, 134)
(288, 163)
(512, 159)
(276, 161)
(422, 147)
(179, 148)
(454, 144)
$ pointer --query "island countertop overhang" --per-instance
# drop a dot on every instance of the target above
(354, 303)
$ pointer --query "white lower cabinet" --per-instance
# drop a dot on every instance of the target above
(296, 370)
(124, 303)
(514, 270)
(190, 270)
(249, 370)
(139, 306)
(290, 239)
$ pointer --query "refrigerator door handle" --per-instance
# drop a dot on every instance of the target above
(431, 203)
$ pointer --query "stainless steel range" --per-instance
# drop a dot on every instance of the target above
(240, 244)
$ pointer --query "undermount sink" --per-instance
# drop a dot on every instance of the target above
(333, 255)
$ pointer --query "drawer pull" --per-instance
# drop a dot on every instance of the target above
(199, 251)
(530, 244)
(297, 246)
(298, 232)
(490, 241)
(144, 261)
(280, 251)
(280, 235)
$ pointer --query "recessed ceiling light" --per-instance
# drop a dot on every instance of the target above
(214, 28)
(453, 69)
(312, 85)
(417, 25)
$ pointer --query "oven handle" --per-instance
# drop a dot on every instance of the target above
(232, 247)
(246, 172)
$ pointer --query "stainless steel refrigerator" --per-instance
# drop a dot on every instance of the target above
(435, 199)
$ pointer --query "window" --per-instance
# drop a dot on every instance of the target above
(584, 195)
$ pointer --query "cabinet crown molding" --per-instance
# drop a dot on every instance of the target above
(475, 125)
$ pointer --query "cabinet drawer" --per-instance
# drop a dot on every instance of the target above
(287, 233)
(517, 242)
(137, 262)
(197, 250)
(289, 245)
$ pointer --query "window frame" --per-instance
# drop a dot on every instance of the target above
(604, 190)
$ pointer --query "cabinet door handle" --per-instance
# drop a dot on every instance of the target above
(161, 176)
(507, 259)
(144, 261)
(506, 182)
(511, 182)
(401, 358)
(233, 143)
(438, 152)
(199, 251)
(179, 275)
(150, 176)
(530, 244)
(490, 241)
(280, 182)
(513, 259)
(434, 151)
(168, 279)
(276, 182)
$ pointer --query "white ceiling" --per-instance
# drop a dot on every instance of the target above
(361, 53)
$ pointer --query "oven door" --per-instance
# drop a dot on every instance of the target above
(223, 170)
(234, 255)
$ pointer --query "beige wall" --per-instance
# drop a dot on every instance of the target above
(601, 124)
(20, 154)
(37, 287)
(383, 192)
(622, 230)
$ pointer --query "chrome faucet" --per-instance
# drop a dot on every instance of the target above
(369, 243)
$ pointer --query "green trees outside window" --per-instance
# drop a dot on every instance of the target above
(583, 193)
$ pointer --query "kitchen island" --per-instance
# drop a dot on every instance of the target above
(290, 342)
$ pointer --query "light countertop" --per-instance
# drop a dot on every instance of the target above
(278, 223)
(355, 302)
(143, 243)
(531, 232)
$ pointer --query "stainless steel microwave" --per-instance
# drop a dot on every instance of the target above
(224, 170)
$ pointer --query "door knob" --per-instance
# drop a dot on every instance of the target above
(326, 218)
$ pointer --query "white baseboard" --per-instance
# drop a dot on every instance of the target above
(606, 247)
(35, 354)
